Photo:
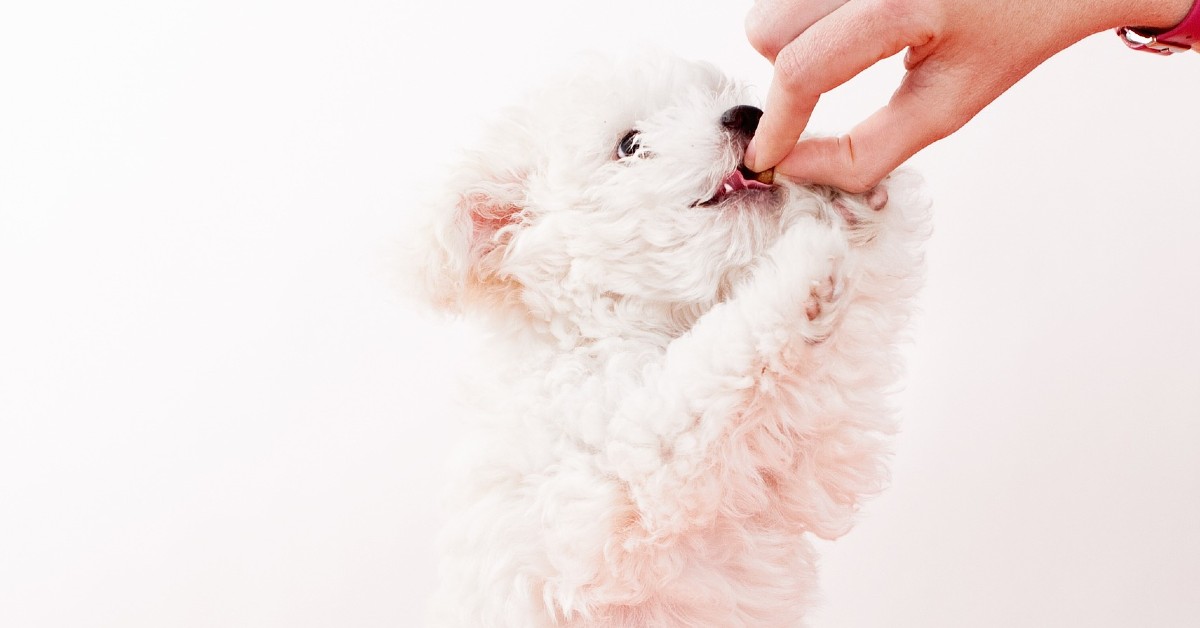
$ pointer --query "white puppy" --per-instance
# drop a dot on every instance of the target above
(690, 369)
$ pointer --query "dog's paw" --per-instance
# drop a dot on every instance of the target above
(822, 296)
(820, 252)
(821, 309)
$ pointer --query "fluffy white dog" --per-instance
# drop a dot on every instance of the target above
(690, 367)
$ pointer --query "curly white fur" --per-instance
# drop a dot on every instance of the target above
(680, 391)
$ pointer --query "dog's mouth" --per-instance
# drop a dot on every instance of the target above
(740, 183)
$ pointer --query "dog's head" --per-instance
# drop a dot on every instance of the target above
(615, 202)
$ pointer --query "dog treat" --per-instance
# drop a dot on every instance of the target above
(766, 176)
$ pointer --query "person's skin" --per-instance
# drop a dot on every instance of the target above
(962, 54)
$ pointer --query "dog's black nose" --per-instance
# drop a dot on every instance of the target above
(742, 119)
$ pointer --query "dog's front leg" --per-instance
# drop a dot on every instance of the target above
(668, 443)
(675, 454)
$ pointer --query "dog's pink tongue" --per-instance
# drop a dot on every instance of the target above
(736, 181)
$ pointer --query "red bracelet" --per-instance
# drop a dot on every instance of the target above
(1181, 38)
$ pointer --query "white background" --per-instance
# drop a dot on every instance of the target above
(216, 410)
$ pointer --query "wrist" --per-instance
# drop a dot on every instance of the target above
(1166, 31)
(1152, 15)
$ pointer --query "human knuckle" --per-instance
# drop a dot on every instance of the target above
(873, 175)
(863, 174)
(791, 69)
(895, 10)
(761, 34)
(919, 20)
(861, 181)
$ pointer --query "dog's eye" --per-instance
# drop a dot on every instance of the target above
(629, 145)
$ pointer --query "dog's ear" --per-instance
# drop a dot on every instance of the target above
(466, 237)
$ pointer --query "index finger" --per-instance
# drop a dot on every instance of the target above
(851, 39)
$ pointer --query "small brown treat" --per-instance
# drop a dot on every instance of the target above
(766, 176)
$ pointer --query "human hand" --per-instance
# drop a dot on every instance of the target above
(962, 54)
